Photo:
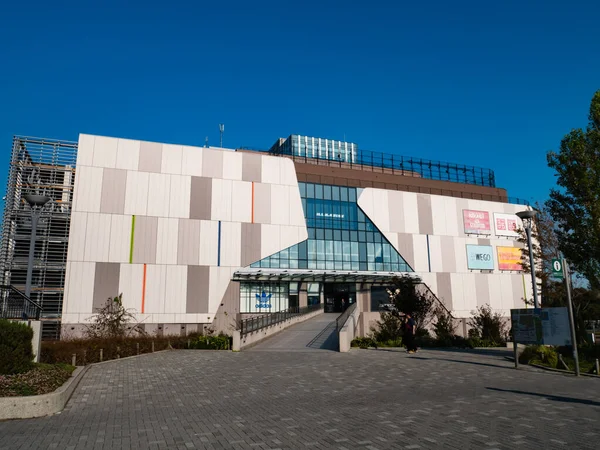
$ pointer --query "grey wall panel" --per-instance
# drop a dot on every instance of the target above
(406, 248)
(150, 157)
(444, 288)
(145, 240)
(448, 253)
(396, 211)
(212, 163)
(482, 290)
(262, 203)
(251, 167)
(425, 214)
(112, 198)
(251, 242)
(200, 198)
(519, 290)
(106, 283)
(188, 242)
(197, 289)
(228, 310)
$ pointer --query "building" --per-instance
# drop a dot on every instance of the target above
(196, 237)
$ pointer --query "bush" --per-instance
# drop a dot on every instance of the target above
(16, 352)
(539, 354)
(477, 342)
(444, 327)
(363, 342)
(392, 343)
(488, 325)
(87, 351)
(388, 328)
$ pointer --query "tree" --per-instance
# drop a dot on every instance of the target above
(488, 325)
(575, 207)
(111, 320)
(410, 295)
(545, 247)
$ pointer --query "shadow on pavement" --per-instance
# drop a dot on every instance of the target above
(555, 398)
(326, 339)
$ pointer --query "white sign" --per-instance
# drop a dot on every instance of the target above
(507, 225)
(480, 257)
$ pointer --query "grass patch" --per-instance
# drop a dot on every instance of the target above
(42, 379)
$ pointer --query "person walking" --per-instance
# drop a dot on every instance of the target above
(409, 333)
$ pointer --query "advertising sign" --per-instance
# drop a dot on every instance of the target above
(506, 225)
(548, 326)
(480, 257)
(509, 258)
(476, 222)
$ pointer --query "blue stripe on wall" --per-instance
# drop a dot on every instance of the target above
(428, 252)
(219, 246)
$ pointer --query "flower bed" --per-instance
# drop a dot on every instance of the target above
(42, 379)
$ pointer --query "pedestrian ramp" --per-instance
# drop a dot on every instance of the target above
(316, 334)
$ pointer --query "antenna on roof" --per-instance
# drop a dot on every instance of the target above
(206, 142)
(221, 130)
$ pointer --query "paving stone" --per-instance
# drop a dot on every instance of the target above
(382, 399)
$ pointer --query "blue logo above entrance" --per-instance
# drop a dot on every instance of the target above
(264, 300)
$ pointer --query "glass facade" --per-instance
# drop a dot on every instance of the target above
(340, 236)
(312, 147)
(264, 297)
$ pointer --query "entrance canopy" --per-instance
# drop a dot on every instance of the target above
(325, 276)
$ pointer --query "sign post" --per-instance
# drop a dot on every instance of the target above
(567, 277)
(557, 269)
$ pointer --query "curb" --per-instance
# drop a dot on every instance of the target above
(41, 405)
(564, 372)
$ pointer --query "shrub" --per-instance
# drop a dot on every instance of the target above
(388, 328)
(220, 342)
(488, 325)
(539, 354)
(444, 327)
(111, 320)
(363, 342)
(16, 352)
(392, 343)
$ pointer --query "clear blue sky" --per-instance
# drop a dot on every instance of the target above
(492, 84)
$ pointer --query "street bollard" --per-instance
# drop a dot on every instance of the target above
(74, 360)
(152, 346)
(101, 355)
(597, 367)
(118, 352)
(188, 343)
(138, 347)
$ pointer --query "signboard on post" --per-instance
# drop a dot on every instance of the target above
(480, 257)
(476, 222)
(506, 225)
(548, 326)
(557, 269)
(509, 258)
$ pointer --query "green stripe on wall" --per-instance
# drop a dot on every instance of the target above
(131, 241)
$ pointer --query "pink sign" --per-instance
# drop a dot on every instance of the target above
(501, 224)
(476, 222)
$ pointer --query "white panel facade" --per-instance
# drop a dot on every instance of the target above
(128, 154)
(176, 288)
(191, 161)
(232, 166)
(241, 201)
(179, 196)
(171, 159)
(80, 287)
(85, 150)
(97, 237)
(221, 199)
(411, 212)
(231, 244)
(120, 238)
(159, 194)
(209, 243)
(105, 152)
(77, 232)
(270, 170)
(167, 241)
(156, 289)
(131, 279)
(136, 193)
(280, 213)
(88, 192)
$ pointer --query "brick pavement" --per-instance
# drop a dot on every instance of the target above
(365, 399)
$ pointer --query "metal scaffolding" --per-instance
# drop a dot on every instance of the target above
(46, 167)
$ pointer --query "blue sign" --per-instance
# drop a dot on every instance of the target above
(263, 301)
(480, 257)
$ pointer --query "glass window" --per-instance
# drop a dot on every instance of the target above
(327, 192)
(310, 190)
(344, 194)
(335, 193)
(319, 191)
(302, 188)
(352, 195)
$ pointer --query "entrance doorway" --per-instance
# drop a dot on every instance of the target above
(339, 296)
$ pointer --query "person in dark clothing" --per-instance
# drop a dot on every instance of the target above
(409, 333)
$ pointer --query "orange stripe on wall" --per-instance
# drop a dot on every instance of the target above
(144, 290)
(253, 202)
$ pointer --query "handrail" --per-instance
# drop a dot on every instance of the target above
(341, 320)
(257, 323)
(14, 304)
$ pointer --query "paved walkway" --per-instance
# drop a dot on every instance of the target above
(318, 333)
(365, 399)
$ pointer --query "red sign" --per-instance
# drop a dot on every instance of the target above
(476, 222)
